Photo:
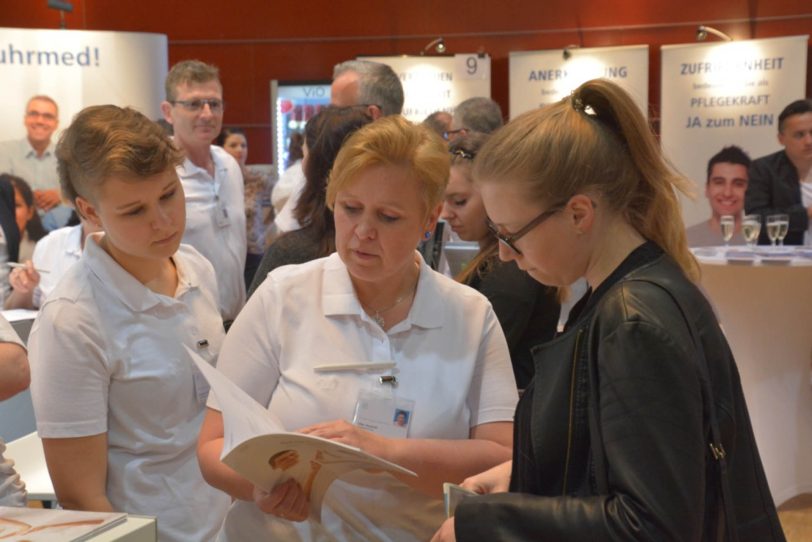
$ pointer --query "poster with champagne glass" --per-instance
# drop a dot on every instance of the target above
(726, 93)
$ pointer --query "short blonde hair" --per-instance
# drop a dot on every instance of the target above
(106, 140)
(595, 140)
(393, 141)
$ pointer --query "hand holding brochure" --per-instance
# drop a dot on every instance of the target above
(257, 446)
(452, 495)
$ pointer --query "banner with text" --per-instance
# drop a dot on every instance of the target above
(720, 94)
(539, 78)
(439, 83)
(79, 68)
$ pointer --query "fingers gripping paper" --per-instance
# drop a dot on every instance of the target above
(257, 446)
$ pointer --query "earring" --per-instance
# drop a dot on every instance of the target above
(427, 235)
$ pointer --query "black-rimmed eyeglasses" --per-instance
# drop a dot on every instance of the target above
(510, 240)
(215, 105)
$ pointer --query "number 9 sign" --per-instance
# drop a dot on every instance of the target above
(472, 66)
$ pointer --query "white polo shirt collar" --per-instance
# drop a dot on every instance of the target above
(73, 243)
(189, 168)
(339, 299)
(127, 288)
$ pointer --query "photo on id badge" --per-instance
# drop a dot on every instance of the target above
(383, 413)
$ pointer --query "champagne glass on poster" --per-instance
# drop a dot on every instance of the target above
(783, 228)
(751, 227)
(773, 227)
(728, 224)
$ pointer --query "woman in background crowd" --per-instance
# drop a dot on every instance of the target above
(55, 254)
(324, 134)
(27, 218)
(374, 300)
(258, 211)
(9, 233)
(635, 425)
(528, 311)
(118, 402)
(289, 186)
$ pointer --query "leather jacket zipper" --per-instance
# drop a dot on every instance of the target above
(572, 407)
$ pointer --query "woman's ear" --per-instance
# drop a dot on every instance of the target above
(87, 211)
(434, 216)
(581, 209)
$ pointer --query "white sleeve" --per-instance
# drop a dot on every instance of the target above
(493, 395)
(250, 352)
(7, 333)
(70, 375)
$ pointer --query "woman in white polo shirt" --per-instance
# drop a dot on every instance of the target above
(374, 300)
(118, 403)
(54, 254)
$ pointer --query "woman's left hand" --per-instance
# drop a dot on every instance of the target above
(446, 532)
(352, 435)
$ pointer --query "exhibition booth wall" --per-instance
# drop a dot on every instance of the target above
(255, 41)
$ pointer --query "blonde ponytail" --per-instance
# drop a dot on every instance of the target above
(595, 140)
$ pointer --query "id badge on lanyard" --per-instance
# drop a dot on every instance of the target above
(379, 408)
(201, 384)
(221, 213)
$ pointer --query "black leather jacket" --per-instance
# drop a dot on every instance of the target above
(662, 483)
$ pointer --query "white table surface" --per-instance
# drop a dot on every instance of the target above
(29, 462)
(766, 312)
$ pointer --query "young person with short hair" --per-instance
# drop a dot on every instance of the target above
(118, 401)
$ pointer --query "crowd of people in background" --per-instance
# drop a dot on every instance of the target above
(151, 244)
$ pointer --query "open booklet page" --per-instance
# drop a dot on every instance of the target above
(43, 525)
(257, 446)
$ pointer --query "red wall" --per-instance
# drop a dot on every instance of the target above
(254, 41)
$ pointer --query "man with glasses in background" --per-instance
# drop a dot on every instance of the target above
(211, 178)
(32, 158)
(475, 115)
(363, 82)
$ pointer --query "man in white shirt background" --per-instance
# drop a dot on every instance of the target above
(211, 178)
(33, 159)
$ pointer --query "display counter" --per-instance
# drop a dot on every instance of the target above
(765, 308)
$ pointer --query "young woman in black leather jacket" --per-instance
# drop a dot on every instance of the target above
(636, 411)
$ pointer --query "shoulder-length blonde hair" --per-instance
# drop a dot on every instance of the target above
(393, 141)
(598, 141)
